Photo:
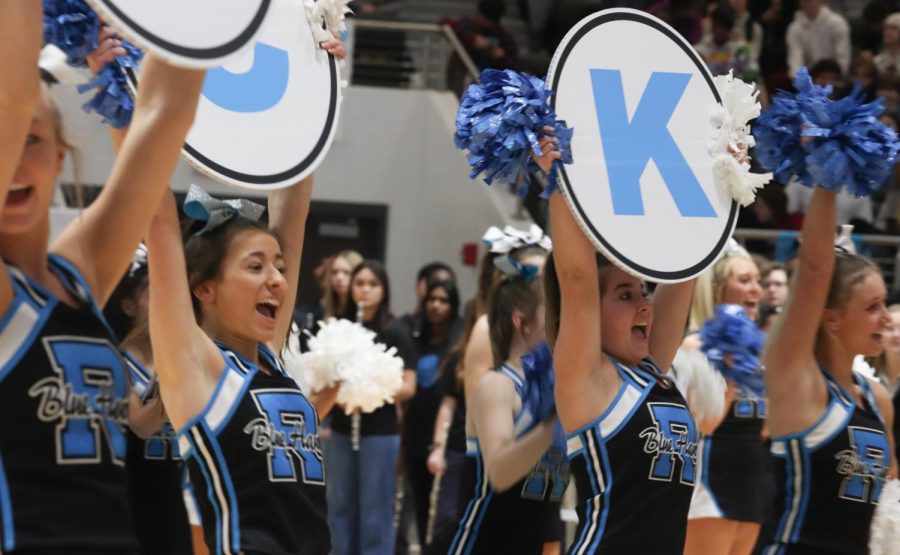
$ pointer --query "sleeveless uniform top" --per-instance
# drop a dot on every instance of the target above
(155, 475)
(63, 418)
(829, 477)
(731, 467)
(255, 463)
(523, 518)
(634, 469)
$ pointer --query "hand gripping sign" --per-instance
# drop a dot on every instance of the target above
(642, 185)
(190, 33)
(267, 119)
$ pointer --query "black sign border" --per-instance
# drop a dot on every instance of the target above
(637, 17)
(214, 52)
(214, 169)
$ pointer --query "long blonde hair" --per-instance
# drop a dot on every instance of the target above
(710, 288)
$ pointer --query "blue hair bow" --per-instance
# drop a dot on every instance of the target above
(513, 268)
(200, 206)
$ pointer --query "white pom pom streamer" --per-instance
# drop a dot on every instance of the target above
(342, 351)
(731, 136)
(332, 13)
(703, 388)
(884, 534)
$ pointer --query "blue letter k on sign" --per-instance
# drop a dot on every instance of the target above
(629, 146)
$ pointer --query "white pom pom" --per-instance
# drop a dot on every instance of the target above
(731, 137)
(884, 534)
(344, 351)
(333, 13)
(703, 388)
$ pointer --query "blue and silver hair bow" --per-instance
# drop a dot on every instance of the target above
(138, 261)
(509, 239)
(513, 268)
(199, 206)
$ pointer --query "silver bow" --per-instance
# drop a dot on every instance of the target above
(509, 239)
(139, 260)
(198, 205)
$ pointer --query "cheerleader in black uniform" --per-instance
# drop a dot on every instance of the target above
(632, 443)
(155, 470)
(247, 433)
(515, 472)
(727, 507)
(63, 383)
(830, 427)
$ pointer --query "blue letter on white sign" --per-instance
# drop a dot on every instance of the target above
(257, 90)
(629, 146)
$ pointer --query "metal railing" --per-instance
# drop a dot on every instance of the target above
(428, 45)
(883, 249)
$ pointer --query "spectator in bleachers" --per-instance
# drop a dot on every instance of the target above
(490, 43)
(864, 73)
(775, 17)
(685, 16)
(850, 210)
(866, 32)
(745, 29)
(817, 33)
(774, 284)
(889, 89)
(826, 72)
(888, 59)
(722, 52)
(888, 219)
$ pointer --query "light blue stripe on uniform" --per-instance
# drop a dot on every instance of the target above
(9, 532)
(474, 515)
(213, 490)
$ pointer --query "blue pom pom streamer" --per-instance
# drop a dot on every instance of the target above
(847, 146)
(500, 122)
(732, 343)
(538, 368)
(113, 100)
(72, 26)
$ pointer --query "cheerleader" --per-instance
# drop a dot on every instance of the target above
(830, 426)
(515, 472)
(63, 384)
(155, 471)
(631, 440)
(220, 312)
(727, 506)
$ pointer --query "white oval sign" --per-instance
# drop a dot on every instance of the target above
(266, 120)
(640, 99)
(190, 33)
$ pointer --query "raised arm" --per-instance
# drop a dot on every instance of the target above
(288, 210)
(187, 361)
(478, 359)
(102, 241)
(507, 459)
(577, 353)
(671, 305)
(789, 354)
(20, 45)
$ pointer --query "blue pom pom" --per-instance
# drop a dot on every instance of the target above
(113, 100)
(72, 26)
(847, 146)
(500, 122)
(733, 343)
(538, 368)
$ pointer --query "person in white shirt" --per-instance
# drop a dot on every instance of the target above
(888, 60)
(817, 33)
